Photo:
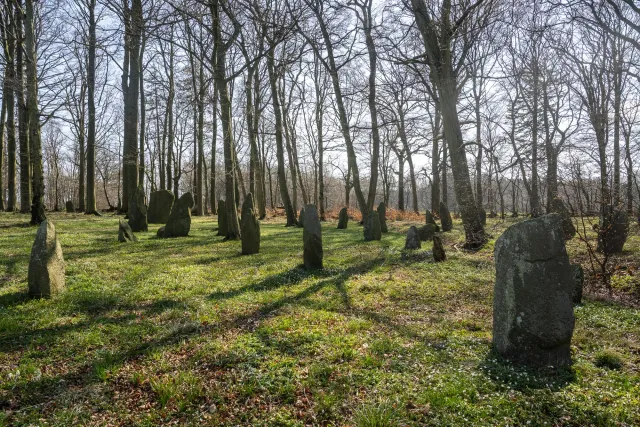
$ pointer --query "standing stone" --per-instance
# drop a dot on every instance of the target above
(533, 317)
(578, 276)
(301, 218)
(160, 204)
(382, 213)
(439, 254)
(222, 218)
(124, 232)
(343, 219)
(413, 239)
(567, 225)
(445, 218)
(249, 227)
(372, 229)
(138, 211)
(179, 222)
(46, 266)
(613, 231)
(430, 220)
(483, 216)
(312, 239)
(426, 232)
(69, 206)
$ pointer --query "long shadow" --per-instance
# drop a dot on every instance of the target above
(7, 300)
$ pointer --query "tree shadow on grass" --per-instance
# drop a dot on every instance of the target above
(522, 378)
(7, 300)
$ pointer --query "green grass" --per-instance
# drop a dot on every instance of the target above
(188, 331)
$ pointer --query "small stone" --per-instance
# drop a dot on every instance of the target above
(124, 232)
(413, 239)
(69, 206)
(445, 218)
(343, 219)
(382, 213)
(426, 232)
(312, 239)
(46, 265)
(179, 223)
(160, 232)
(138, 211)
(249, 227)
(222, 218)
(431, 220)
(160, 204)
(438, 250)
(372, 229)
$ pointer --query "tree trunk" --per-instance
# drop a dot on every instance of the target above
(435, 162)
(143, 120)
(23, 118)
(214, 143)
(91, 134)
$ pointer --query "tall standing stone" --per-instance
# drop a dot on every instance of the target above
(533, 317)
(301, 218)
(567, 225)
(222, 218)
(179, 223)
(69, 206)
(439, 254)
(372, 229)
(124, 232)
(413, 239)
(445, 217)
(343, 219)
(46, 266)
(382, 214)
(613, 230)
(160, 205)
(431, 220)
(249, 227)
(138, 211)
(312, 239)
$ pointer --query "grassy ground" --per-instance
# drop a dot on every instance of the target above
(188, 331)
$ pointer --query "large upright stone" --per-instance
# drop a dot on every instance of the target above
(46, 266)
(567, 225)
(439, 255)
(431, 220)
(343, 219)
(413, 239)
(533, 317)
(382, 214)
(445, 217)
(222, 218)
(312, 239)
(426, 232)
(69, 206)
(249, 227)
(138, 211)
(372, 229)
(613, 230)
(179, 223)
(301, 218)
(160, 204)
(124, 232)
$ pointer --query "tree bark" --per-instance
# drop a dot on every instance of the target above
(91, 131)
(23, 117)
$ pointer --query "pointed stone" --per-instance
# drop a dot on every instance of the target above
(46, 265)
(249, 227)
(179, 223)
(312, 239)
(431, 220)
(445, 218)
(124, 232)
(382, 214)
(69, 207)
(413, 239)
(438, 250)
(160, 205)
(372, 229)
(343, 219)
(138, 211)
(222, 218)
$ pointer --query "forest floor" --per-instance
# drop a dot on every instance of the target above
(188, 331)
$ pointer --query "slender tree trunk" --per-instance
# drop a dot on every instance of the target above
(435, 162)
(143, 120)
(375, 134)
(91, 134)
(617, 102)
(400, 182)
(23, 117)
(3, 116)
(214, 143)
